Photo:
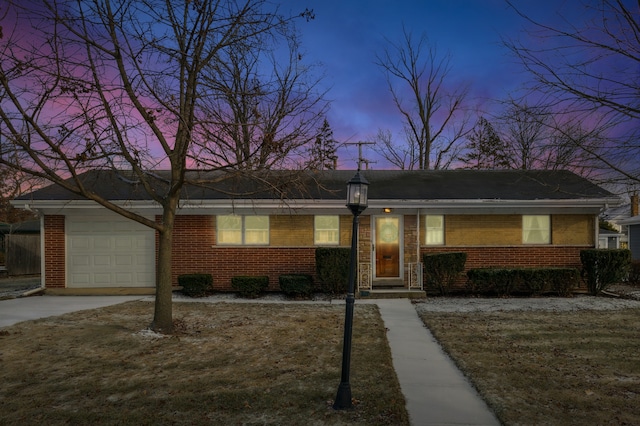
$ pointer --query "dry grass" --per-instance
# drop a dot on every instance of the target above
(552, 368)
(229, 364)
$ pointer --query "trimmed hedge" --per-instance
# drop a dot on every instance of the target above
(196, 285)
(332, 269)
(603, 267)
(296, 285)
(250, 286)
(508, 281)
(441, 270)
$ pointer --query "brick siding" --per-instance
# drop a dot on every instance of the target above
(54, 251)
(195, 251)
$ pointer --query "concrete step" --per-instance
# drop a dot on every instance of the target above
(391, 294)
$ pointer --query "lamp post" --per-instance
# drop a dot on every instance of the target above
(357, 199)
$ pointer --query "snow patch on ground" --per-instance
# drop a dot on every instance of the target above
(147, 333)
(551, 304)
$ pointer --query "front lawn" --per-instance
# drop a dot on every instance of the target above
(227, 364)
(551, 368)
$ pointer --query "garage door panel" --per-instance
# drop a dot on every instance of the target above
(82, 280)
(81, 243)
(80, 260)
(108, 252)
(121, 260)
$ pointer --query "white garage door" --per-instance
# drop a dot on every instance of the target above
(109, 252)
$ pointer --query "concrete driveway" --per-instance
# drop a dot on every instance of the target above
(21, 309)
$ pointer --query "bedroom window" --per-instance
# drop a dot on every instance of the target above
(326, 230)
(536, 229)
(434, 230)
(242, 230)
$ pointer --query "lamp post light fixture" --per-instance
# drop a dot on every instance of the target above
(357, 199)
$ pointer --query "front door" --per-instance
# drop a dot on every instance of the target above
(387, 247)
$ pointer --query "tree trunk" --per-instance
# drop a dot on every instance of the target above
(163, 316)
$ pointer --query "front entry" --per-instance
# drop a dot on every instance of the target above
(387, 246)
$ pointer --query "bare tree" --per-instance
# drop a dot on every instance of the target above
(101, 84)
(433, 116)
(261, 120)
(402, 155)
(588, 74)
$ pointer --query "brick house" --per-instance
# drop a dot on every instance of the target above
(248, 227)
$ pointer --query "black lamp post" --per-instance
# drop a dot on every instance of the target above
(357, 202)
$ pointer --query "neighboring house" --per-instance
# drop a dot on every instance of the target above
(609, 239)
(617, 216)
(499, 218)
(633, 226)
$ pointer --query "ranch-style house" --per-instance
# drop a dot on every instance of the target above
(272, 225)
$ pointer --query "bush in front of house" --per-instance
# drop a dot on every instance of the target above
(441, 270)
(296, 285)
(196, 285)
(523, 281)
(634, 273)
(603, 267)
(332, 269)
(250, 286)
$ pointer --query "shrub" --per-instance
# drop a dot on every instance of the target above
(634, 273)
(296, 285)
(442, 269)
(332, 269)
(196, 285)
(250, 287)
(603, 267)
(508, 281)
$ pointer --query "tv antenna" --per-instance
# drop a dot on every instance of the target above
(361, 159)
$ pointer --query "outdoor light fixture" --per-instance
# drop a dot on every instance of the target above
(357, 199)
(386, 210)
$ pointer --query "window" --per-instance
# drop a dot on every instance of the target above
(327, 230)
(536, 229)
(434, 230)
(243, 230)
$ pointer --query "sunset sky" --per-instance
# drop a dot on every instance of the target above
(345, 37)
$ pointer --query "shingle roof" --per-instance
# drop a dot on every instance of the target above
(331, 184)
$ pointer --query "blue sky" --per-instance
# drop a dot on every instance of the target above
(346, 35)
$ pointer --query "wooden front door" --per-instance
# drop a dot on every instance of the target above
(387, 247)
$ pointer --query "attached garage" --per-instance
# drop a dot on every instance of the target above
(109, 251)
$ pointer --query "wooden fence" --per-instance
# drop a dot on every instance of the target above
(22, 254)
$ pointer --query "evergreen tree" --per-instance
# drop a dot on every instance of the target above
(485, 149)
(323, 155)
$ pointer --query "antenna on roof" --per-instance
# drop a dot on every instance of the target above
(360, 158)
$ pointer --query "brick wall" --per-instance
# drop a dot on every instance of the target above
(195, 251)
(516, 256)
(54, 252)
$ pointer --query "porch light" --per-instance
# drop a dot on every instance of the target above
(357, 202)
(357, 198)
(386, 210)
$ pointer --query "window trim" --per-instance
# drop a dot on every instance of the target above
(315, 230)
(243, 231)
(547, 230)
(441, 230)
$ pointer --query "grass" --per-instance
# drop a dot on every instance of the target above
(552, 368)
(227, 364)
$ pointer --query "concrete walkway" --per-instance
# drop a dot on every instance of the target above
(436, 392)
